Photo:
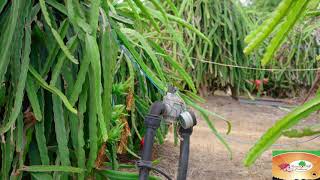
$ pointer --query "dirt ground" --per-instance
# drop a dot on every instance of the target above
(209, 159)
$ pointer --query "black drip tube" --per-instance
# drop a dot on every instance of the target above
(152, 123)
(184, 152)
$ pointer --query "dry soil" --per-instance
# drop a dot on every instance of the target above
(209, 159)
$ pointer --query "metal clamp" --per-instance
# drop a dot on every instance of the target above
(143, 163)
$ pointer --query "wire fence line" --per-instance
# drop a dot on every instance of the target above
(240, 141)
(246, 67)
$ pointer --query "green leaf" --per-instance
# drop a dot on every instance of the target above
(42, 143)
(52, 89)
(293, 16)
(119, 175)
(7, 37)
(148, 15)
(58, 6)
(52, 168)
(60, 129)
(95, 76)
(148, 50)
(21, 84)
(273, 133)
(94, 16)
(41, 176)
(176, 66)
(183, 23)
(56, 35)
(149, 73)
(33, 98)
(109, 54)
